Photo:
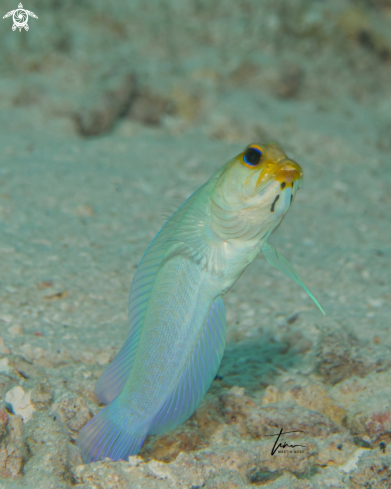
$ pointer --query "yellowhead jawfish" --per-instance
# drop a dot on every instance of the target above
(177, 317)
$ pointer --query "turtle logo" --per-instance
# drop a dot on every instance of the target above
(20, 17)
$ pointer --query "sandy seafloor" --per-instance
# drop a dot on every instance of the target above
(80, 200)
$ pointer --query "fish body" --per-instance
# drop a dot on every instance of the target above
(177, 317)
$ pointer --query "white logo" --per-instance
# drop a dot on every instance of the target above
(20, 17)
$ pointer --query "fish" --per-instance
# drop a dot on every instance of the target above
(176, 312)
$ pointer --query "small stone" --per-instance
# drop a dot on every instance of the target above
(160, 470)
(367, 405)
(10, 289)
(340, 356)
(58, 295)
(7, 249)
(16, 330)
(48, 454)
(280, 320)
(290, 81)
(236, 391)
(3, 419)
(32, 353)
(4, 366)
(103, 105)
(42, 394)
(25, 368)
(135, 460)
(73, 411)
(103, 358)
(378, 422)
(85, 210)
(271, 395)
(365, 274)
(20, 402)
(341, 186)
(316, 398)
(149, 107)
(11, 461)
(6, 318)
(88, 357)
(3, 348)
(351, 464)
(376, 303)
(15, 428)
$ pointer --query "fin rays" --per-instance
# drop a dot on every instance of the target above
(105, 436)
(278, 261)
(197, 375)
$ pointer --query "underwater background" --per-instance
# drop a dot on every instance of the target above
(111, 115)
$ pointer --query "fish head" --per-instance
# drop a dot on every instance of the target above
(256, 187)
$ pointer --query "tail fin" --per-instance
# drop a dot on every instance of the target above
(108, 434)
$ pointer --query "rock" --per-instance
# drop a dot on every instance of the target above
(107, 475)
(6, 318)
(33, 353)
(3, 348)
(49, 453)
(236, 391)
(289, 82)
(4, 366)
(167, 447)
(367, 406)
(340, 355)
(351, 464)
(3, 420)
(271, 395)
(16, 330)
(184, 471)
(107, 100)
(11, 462)
(368, 28)
(12, 449)
(368, 468)
(335, 449)
(25, 368)
(20, 403)
(103, 358)
(73, 411)
(149, 107)
(311, 396)
(228, 480)
(15, 430)
(135, 460)
(39, 356)
(42, 394)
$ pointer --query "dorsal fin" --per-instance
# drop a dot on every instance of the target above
(113, 379)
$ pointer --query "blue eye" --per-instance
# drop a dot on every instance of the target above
(252, 156)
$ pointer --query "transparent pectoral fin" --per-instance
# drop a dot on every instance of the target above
(282, 264)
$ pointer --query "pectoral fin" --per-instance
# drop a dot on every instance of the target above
(282, 264)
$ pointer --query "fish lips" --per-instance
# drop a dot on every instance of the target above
(287, 173)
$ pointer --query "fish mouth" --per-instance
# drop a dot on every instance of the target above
(287, 173)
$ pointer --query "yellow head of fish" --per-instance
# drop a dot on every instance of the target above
(253, 192)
